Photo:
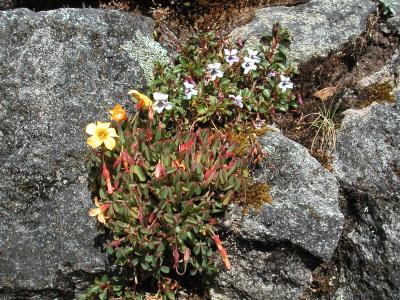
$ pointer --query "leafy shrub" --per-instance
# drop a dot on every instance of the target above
(157, 197)
(215, 81)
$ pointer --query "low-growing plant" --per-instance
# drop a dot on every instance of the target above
(387, 7)
(217, 82)
(157, 197)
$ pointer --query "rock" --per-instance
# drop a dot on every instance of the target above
(366, 162)
(388, 74)
(317, 27)
(261, 274)
(59, 70)
(7, 4)
(291, 236)
(304, 210)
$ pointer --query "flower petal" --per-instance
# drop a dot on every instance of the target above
(103, 125)
(94, 212)
(227, 52)
(112, 132)
(109, 143)
(94, 141)
(168, 105)
(234, 51)
(159, 96)
(100, 218)
(91, 129)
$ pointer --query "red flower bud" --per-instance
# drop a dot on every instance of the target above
(106, 175)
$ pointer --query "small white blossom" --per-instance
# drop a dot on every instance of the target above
(237, 100)
(214, 70)
(285, 83)
(258, 123)
(248, 65)
(231, 56)
(190, 90)
(253, 55)
(161, 102)
(272, 74)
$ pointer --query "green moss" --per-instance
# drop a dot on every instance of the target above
(145, 51)
(378, 92)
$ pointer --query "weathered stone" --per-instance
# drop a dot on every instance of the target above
(366, 162)
(59, 70)
(281, 274)
(317, 27)
(7, 4)
(304, 209)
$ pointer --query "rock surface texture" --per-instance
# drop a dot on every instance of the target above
(366, 162)
(7, 4)
(288, 238)
(59, 70)
(317, 27)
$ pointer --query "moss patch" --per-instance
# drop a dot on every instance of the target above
(378, 92)
(247, 138)
(254, 196)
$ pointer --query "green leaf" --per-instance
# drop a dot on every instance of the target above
(202, 109)
(138, 172)
(165, 269)
(169, 218)
(170, 295)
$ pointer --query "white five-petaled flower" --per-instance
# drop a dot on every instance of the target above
(231, 56)
(190, 90)
(161, 102)
(248, 65)
(285, 83)
(253, 55)
(214, 70)
(237, 100)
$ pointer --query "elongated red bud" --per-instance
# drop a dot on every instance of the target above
(222, 251)
(106, 175)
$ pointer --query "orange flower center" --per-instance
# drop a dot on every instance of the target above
(102, 133)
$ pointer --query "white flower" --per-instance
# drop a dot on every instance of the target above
(214, 70)
(161, 102)
(248, 65)
(237, 100)
(285, 83)
(253, 55)
(190, 90)
(231, 56)
(259, 123)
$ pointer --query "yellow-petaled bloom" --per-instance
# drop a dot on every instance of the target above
(143, 100)
(118, 114)
(99, 211)
(101, 133)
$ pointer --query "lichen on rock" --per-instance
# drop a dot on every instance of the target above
(146, 52)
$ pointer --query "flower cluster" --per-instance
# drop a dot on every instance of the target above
(219, 82)
(158, 195)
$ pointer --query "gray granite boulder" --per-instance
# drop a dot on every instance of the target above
(262, 273)
(317, 27)
(366, 162)
(59, 70)
(7, 4)
(304, 211)
(287, 239)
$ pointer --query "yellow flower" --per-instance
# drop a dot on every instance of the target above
(99, 211)
(143, 100)
(101, 133)
(118, 114)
